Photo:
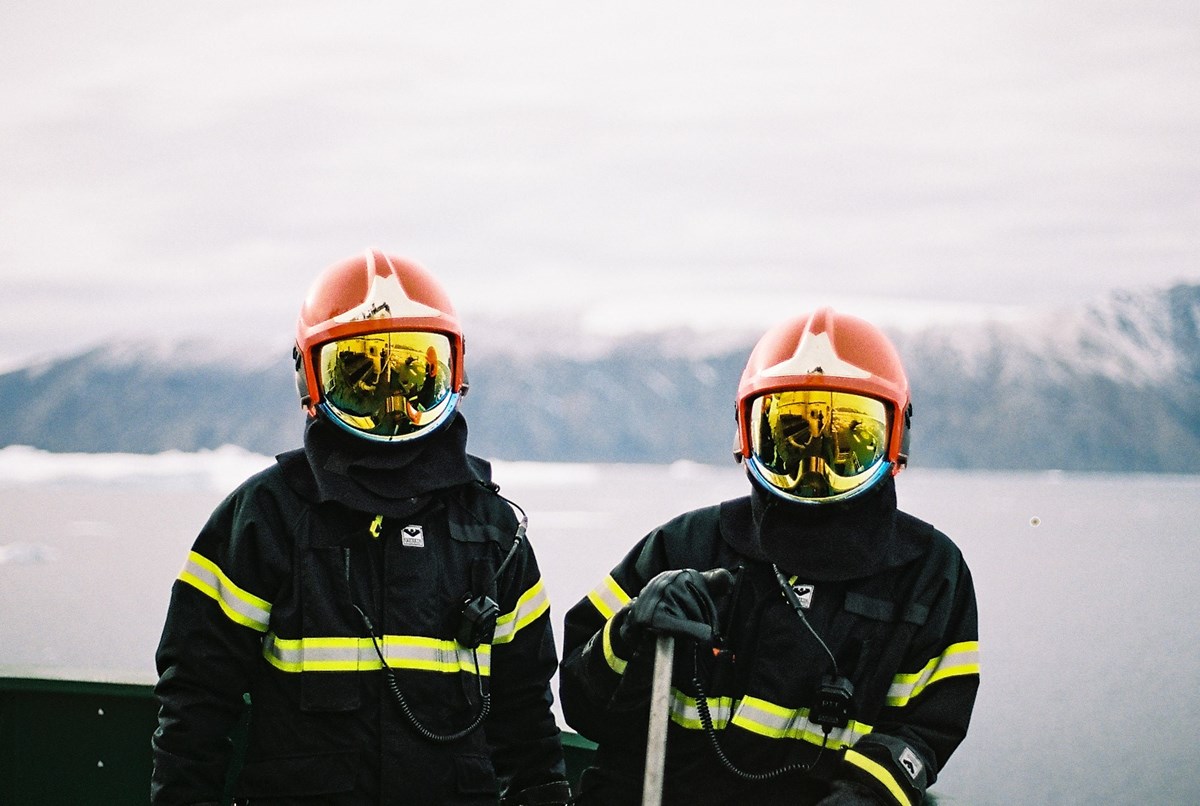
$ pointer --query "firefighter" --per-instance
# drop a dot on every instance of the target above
(371, 596)
(826, 644)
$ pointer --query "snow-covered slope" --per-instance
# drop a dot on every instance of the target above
(1111, 385)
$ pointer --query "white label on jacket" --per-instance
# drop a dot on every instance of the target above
(911, 763)
(804, 592)
(413, 535)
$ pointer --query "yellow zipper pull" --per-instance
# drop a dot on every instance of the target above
(376, 527)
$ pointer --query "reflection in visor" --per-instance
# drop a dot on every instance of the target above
(818, 445)
(387, 386)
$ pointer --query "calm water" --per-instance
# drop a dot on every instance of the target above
(1087, 588)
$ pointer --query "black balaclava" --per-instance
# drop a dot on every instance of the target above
(829, 542)
(393, 479)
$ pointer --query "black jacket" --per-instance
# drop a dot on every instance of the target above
(904, 634)
(268, 605)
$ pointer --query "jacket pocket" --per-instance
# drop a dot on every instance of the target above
(329, 692)
(298, 776)
(327, 613)
(879, 634)
(474, 775)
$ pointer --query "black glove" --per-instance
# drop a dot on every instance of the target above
(555, 793)
(848, 793)
(679, 603)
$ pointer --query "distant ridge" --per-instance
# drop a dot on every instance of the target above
(1112, 386)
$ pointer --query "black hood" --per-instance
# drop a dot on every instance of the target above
(827, 542)
(394, 479)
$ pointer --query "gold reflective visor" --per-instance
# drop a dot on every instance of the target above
(387, 386)
(815, 445)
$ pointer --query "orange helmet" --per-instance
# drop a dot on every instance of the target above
(379, 349)
(823, 408)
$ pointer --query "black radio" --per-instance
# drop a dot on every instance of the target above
(477, 621)
(832, 707)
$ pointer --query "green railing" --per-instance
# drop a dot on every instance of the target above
(73, 742)
(66, 742)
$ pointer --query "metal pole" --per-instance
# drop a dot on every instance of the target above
(660, 718)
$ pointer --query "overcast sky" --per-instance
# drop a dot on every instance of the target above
(189, 168)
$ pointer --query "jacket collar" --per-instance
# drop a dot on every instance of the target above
(837, 542)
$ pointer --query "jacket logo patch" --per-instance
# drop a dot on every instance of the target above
(911, 763)
(413, 535)
(804, 592)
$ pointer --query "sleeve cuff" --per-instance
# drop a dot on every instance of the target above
(616, 651)
(889, 767)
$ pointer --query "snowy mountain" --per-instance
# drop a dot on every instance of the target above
(1113, 386)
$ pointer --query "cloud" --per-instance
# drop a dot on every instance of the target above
(537, 155)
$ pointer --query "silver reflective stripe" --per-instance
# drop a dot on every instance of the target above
(240, 605)
(958, 659)
(608, 597)
(349, 654)
(776, 722)
(533, 603)
(762, 717)
(320, 654)
(686, 713)
(435, 655)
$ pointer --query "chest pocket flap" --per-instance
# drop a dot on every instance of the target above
(883, 610)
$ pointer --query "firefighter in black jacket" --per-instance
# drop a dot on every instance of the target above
(372, 596)
(831, 655)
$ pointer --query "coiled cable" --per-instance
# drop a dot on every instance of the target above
(422, 730)
(711, 733)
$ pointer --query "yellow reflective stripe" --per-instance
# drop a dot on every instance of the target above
(880, 773)
(777, 722)
(532, 604)
(615, 663)
(958, 659)
(608, 597)
(240, 605)
(349, 654)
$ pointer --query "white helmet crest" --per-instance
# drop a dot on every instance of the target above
(815, 356)
(386, 298)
